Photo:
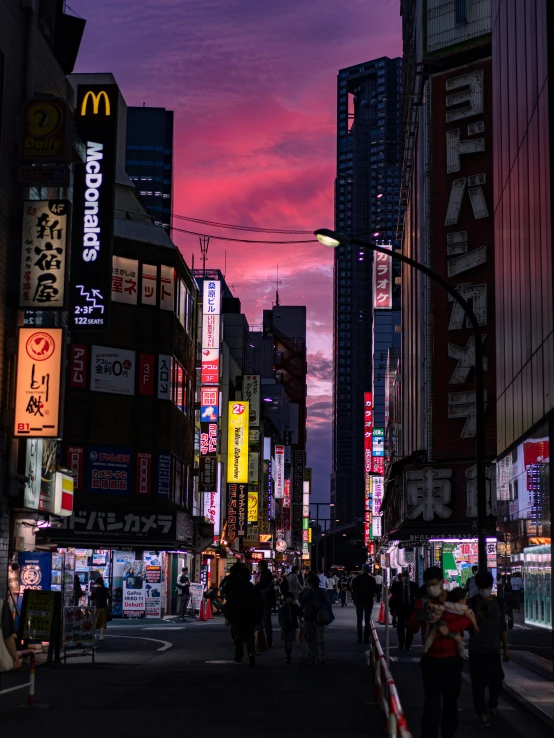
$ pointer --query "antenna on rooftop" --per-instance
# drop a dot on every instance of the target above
(204, 243)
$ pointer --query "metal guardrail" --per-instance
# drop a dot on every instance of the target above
(394, 720)
(31, 683)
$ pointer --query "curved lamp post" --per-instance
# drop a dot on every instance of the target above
(333, 239)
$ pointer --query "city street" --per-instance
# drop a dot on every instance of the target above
(165, 677)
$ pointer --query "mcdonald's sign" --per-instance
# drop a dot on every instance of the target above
(95, 98)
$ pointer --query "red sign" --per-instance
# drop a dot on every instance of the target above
(78, 365)
(146, 374)
(144, 474)
(368, 430)
(382, 280)
(208, 439)
(378, 466)
(75, 464)
(210, 366)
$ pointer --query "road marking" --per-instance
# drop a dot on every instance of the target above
(165, 627)
(165, 647)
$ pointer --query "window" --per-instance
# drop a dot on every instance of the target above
(460, 11)
(179, 386)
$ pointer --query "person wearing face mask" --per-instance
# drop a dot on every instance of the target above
(441, 665)
(485, 666)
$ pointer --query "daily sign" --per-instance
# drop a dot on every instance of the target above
(94, 202)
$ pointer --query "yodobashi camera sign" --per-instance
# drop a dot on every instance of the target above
(94, 202)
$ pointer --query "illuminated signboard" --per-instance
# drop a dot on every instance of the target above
(378, 442)
(251, 389)
(37, 399)
(382, 279)
(279, 473)
(252, 506)
(237, 461)
(368, 429)
(210, 366)
(93, 203)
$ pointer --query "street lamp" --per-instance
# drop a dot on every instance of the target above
(333, 239)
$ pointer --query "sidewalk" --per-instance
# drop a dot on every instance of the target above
(530, 711)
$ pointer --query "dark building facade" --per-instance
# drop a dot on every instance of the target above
(369, 145)
(523, 60)
(149, 159)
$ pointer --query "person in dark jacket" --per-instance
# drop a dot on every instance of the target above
(245, 612)
(364, 589)
(290, 618)
(441, 666)
(404, 595)
(100, 596)
(267, 591)
(227, 589)
(77, 590)
(316, 615)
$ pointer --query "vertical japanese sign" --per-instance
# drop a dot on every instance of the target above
(144, 474)
(96, 116)
(382, 279)
(368, 432)
(165, 370)
(212, 503)
(167, 288)
(253, 506)
(146, 374)
(38, 383)
(297, 496)
(378, 451)
(78, 365)
(125, 279)
(149, 290)
(367, 509)
(237, 432)
(279, 473)
(232, 512)
(43, 254)
(251, 389)
(209, 396)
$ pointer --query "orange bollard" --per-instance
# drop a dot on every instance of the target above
(209, 615)
(201, 617)
(381, 618)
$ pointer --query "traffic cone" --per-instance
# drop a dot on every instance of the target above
(209, 615)
(202, 616)
(381, 618)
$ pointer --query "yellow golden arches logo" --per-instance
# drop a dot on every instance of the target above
(96, 97)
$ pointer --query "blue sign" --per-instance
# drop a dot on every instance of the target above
(378, 442)
(109, 470)
(35, 570)
(209, 413)
(163, 475)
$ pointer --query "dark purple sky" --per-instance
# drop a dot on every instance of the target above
(253, 87)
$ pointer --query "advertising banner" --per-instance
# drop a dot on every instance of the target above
(78, 365)
(38, 380)
(251, 389)
(211, 300)
(378, 442)
(378, 492)
(279, 473)
(382, 279)
(46, 126)
(208, 473)
(96, 116)
(78, 627)
(209, 404)
(35, 570)
(368, 431)
(109, 470)
(232, 512)
(112, 370)
(33, 470)
(210, 331)
(125, 279)
(167, 288)
(149, 289)
(43, 254)
(208, 439)
(165, 369)
(75, 464)
(209, 371)
(367, 508)
(237, 462)
(153, 586)
(253, 506)
(134, 580)
(144, 474)
(297, 477)
(163, 475)
(146, 374)
(212, 510)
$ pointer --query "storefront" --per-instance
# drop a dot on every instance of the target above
(457, 556)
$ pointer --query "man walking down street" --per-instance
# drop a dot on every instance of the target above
(183, 593)
(441, 666)
(332, 583)
(379, 583)
(267, 591)
(404, 594)
(485, 666)
(343, 589)
(246, 611)
(471, 585)
(363, 594)
(322, 580)
(295, 586)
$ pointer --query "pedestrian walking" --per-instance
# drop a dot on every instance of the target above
(228, 589)
(100, 597)
(267, 593)
(245, 612)
(322, 579)
(344, 586)
(456, 603)
(363, 594)
(471, 585)
(404, 595)
(316, 614)
(332, 582)
(441, 665)
(379, 586)
(295, 587)
(290, 619)
(183, 593)
(485, 643)
(77, 590)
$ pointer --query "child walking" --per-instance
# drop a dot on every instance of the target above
(290, 618)
(456, 604)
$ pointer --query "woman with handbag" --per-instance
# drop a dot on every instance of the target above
(100, 596)
(316, 615)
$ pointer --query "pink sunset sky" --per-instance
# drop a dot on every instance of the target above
(253, 87)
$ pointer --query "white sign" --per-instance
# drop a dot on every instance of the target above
(196, 591)
(167, 288)
(378, 491)
(211, 298)
(112, 370)
(279, 473)
(376, 526)
(164, 376)
(33, 470)
(43, 254)
(134, 575)
(210, 331)
(125, 279)
(212, 510)
(251, 389)
(149, 291)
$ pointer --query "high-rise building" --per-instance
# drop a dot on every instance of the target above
(369, 154)
(149, 159)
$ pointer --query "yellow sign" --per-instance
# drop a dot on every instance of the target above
(309, 535)
(96, 97)
(37, 395)
(252, 507)
(237, 442)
